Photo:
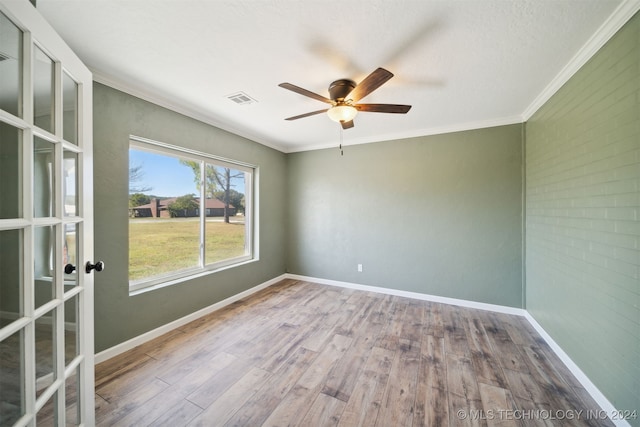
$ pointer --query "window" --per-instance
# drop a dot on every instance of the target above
(189, 213)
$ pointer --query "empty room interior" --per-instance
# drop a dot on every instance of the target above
(355, 213)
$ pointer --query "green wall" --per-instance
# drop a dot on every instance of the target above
(583, 212)
(439, 215)
(119, 316)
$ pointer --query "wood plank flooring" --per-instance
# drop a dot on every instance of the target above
(299, 353)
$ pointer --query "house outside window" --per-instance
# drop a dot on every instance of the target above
(190, 213)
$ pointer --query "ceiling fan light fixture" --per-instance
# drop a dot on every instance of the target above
(342, 113)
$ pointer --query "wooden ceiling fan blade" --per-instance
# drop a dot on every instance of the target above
(302, 116)
(372, 82)
(383, 108)
(347, 125)
(304, 92)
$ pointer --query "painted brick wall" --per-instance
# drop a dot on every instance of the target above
(583, 218)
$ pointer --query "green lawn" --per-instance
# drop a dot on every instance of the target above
(158, 246)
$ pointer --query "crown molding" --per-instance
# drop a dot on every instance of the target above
(185, 110)
(625, 11)
(436, 130)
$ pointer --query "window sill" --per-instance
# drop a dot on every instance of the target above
(143, 287)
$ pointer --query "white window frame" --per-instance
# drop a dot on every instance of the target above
(250, 255)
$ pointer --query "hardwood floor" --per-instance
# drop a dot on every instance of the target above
(299, 353)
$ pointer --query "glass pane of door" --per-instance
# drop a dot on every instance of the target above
(70, 329)
(71, 399)
(43, 254)
(43, 174)
(11, 289)
(45, 357)
(10, 171)
(70, 186)
(43, 100)
(70, 256)
(70, 107)
(10, 67)
(47, 415)
(11, 378)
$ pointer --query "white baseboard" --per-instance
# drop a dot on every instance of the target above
(155, 333)
(415, 295)
(577, 372)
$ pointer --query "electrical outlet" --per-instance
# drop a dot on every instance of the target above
(359, 268)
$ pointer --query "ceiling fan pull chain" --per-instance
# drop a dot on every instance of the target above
(341, 152)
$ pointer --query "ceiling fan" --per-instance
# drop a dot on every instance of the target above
(345, 94)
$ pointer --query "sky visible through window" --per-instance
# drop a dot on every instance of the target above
(166, 176)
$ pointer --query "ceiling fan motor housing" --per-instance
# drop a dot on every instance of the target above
(339, 89)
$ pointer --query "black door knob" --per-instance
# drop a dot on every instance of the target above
(98, 266)
(69, 268)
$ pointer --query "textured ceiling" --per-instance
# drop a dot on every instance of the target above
(461, 64)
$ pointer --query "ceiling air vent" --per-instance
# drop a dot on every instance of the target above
(241, 98)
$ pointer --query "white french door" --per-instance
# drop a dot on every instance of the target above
(46, 225)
